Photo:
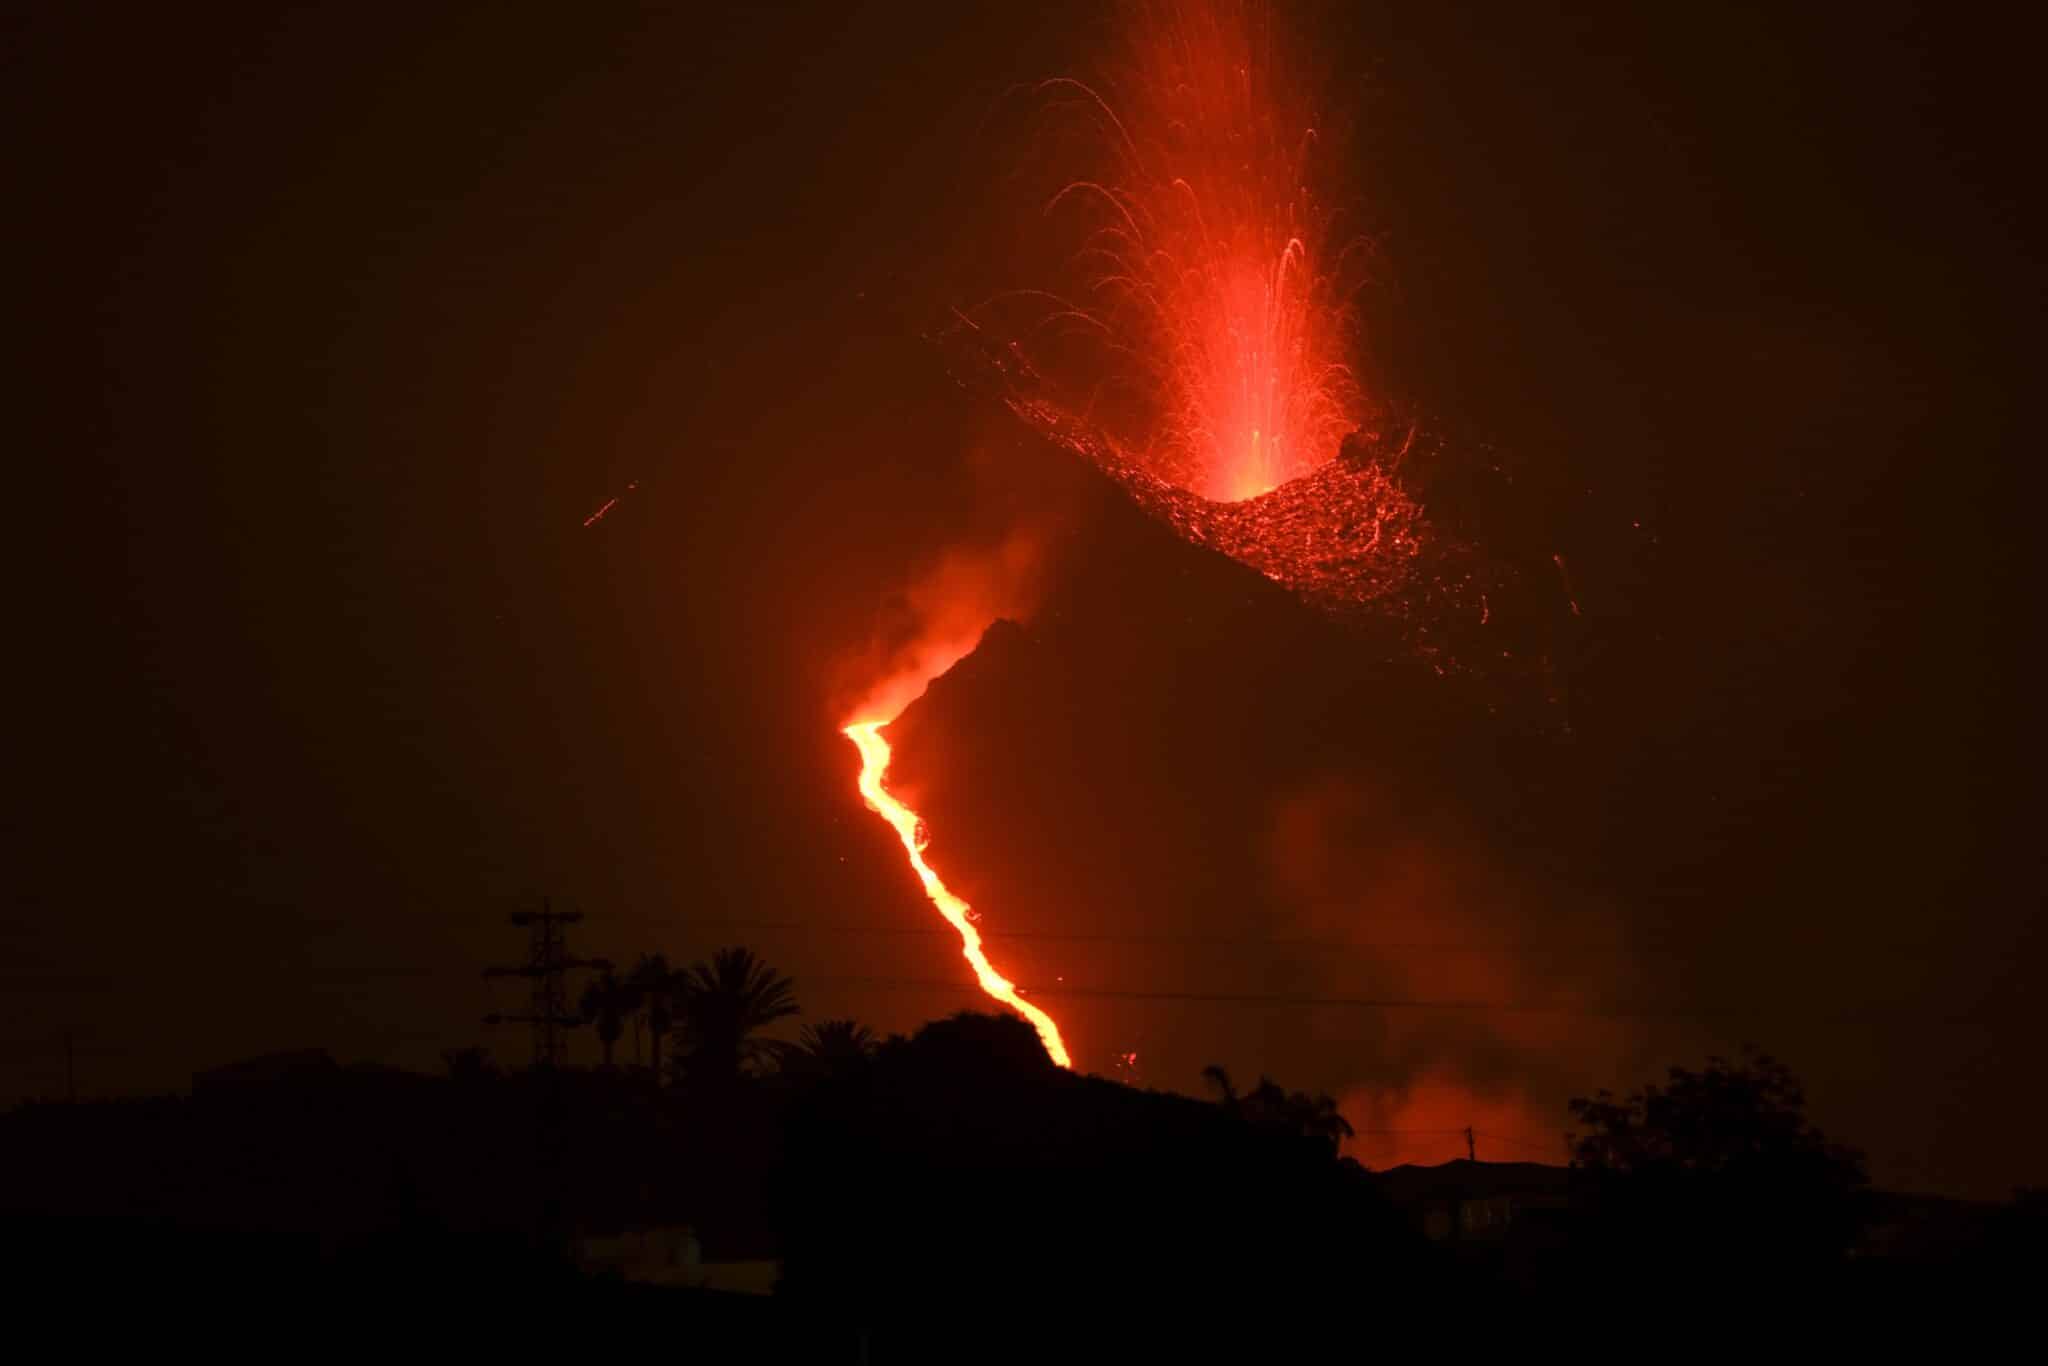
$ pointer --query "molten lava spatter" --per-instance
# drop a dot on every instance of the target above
(1344, 536)
(874, 763)
(1200, 346)
(1209, 276)
(1351, 538)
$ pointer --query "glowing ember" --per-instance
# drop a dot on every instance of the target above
(874, 757)
(594, 518)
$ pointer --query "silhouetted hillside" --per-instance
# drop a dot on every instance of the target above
(961, 1181)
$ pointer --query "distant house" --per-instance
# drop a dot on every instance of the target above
(672, 1257)
(1478, 1200)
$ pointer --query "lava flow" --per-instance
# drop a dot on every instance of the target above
(874, 762)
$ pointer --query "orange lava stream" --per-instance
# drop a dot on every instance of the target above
(874, 757)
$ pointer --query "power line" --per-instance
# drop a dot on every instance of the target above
(1634, 943)
(1629, 944)
(1523, 1144)
(1214, 940)
(1776, 1009)
(1471, 1137)
(1895, 1008)
(1611, 1010)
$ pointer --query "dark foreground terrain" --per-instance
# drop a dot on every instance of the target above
(952, 1194)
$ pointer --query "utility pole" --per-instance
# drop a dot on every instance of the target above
(547, 964)
(1471, 1148)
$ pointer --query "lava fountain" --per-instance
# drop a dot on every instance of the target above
(874, 764)
(1197, 336)
(1209, 272)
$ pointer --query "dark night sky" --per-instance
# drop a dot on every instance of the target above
(332, 327)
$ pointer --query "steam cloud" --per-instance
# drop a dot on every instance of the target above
(937, 619)
(1501, 978)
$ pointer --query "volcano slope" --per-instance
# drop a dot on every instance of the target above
(1409, 531)
(1189, 802)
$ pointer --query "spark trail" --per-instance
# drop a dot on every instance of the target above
(874, 763)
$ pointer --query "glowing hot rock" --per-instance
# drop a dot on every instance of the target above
(874, 762)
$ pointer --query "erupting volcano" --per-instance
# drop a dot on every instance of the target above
(874, 764)
(1202, 357)
(1197, 338)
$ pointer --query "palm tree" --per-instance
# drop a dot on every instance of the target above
(836, 1046)
(654, 985)
(607, 1001)
(1271, 1106)
(1317, 1116)
(725, 1001)
(1297, 1112)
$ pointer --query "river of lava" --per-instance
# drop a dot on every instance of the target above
(874, 763)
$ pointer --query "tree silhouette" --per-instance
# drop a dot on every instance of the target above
(725, 1001)
(607, 1000)
(1717, 1119)
(974, 1043)
(654, 986)
(1701, 1162)
(1298, 1112)
(1272, 1107)
(837, 1047)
